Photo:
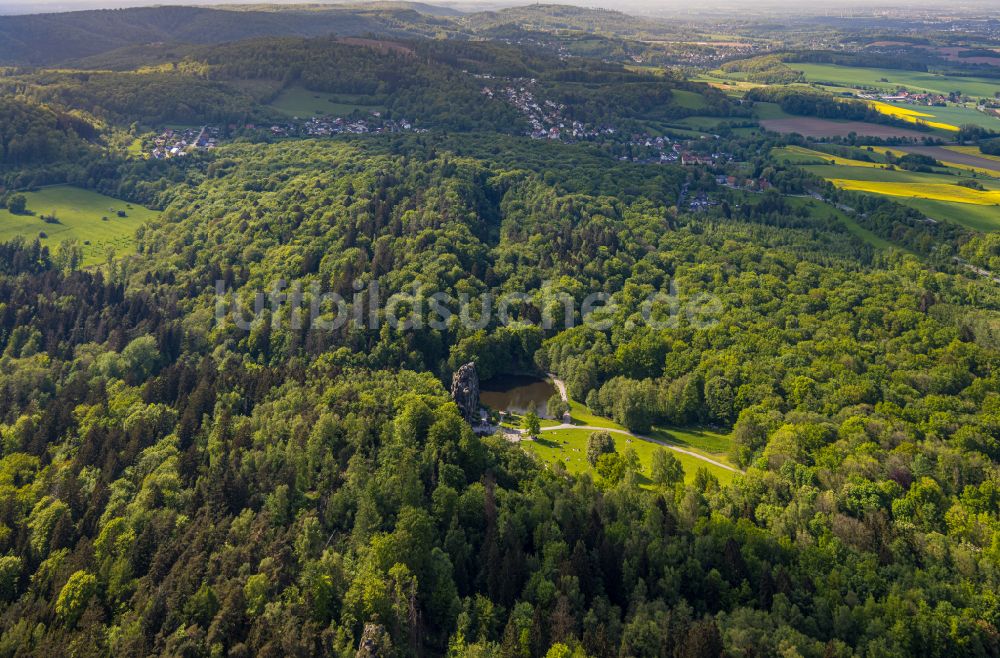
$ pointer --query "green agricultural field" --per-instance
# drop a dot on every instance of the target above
(569, 447)
(300, 102)
(589, 47)
(81, 216)
(948, 177)
(729, 86)
(850, 76)
(674, 129)
(980, 218)
(958, 115)
(798, 156)
(765, 111)
(975, 216)
(688, 99)
(703, 123)
(955, 115)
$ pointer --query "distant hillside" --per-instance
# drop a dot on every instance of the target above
(563, 17)
(44, 39)
(421, 7)
(68, 38)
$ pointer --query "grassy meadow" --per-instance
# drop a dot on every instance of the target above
(708, 442)
(569, 447)
(688, 99)
(83, 215)
(978, 217)
(766, 111)
(300, 102)
(580, 414)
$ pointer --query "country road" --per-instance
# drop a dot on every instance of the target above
(972, 268)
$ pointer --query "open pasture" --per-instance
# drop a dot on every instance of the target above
(88, 217)
(301, 102)
(979, 218)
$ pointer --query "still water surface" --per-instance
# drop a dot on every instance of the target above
(516, 393)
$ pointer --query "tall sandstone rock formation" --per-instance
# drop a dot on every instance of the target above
(465, 392)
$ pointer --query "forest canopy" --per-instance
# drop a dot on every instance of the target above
(199, 489)
(796, 453)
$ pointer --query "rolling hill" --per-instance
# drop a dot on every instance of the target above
(45, 39)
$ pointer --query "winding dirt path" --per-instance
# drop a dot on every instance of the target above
(560, 386)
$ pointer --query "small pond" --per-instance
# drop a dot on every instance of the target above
(516, 393)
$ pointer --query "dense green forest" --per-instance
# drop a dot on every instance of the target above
(178, 480)
(154, 98)
(818, 104)
(32, 133)
(182, 487)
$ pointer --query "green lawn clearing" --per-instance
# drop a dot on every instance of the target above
(88, 217)
(569, 447)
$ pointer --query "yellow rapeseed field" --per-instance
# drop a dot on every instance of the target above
(911, 116)
(933, 191)
(892, 110)
(827, 158)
